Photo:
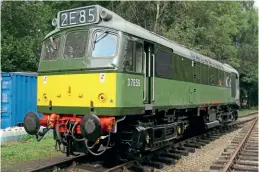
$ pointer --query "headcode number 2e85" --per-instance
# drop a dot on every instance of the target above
(77, 17)
(133, 82)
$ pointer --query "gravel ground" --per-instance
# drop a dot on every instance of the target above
(204, 157)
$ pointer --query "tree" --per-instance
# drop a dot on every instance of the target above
(225, 31)
(23, 27)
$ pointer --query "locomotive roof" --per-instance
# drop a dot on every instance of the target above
(119, 23)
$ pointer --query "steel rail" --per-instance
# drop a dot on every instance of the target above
(239, 148)
(63, 163)
(121, 167)
(250, 114)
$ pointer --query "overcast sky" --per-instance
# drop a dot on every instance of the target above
(256, 4)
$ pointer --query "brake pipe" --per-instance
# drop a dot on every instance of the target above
(73, 129)
(97, 154)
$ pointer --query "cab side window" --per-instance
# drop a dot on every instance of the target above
(139, 58)
(128, 63)
(133, 61)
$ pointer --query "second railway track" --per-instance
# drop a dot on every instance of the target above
(242, 154)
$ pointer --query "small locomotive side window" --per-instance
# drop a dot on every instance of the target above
(233, 85)
(128, 63)
(75, 45)
(133, 57)
(212, 79)
(163, 65)
(139, 61)
(51, 49)
(227, 80)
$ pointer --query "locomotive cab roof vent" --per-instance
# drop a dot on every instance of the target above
(105, 15)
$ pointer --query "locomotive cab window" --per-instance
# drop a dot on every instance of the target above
(139, 59)
(233, 85)
(133, 61)
(104, 44)
(128, 63)
(75, 45)
(50, 48)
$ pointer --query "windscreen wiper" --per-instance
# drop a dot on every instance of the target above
(102, 35)
(52, 43)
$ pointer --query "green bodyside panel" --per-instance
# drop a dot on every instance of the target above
(71, 64)
(168, 94)
(172, 92)
(127, 94)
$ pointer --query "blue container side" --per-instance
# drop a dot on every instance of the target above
(6, 101)
(22, 94)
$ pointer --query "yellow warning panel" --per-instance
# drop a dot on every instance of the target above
(77, 90)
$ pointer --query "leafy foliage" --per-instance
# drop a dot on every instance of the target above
(226, 31)
(23, 27)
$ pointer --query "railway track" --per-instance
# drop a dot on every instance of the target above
(171, 155)
(242, 154)
(158, 159)
(253, 113)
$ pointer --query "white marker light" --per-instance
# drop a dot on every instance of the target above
(54, 22)
(105, 15)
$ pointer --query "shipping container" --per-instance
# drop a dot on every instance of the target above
(18, 96)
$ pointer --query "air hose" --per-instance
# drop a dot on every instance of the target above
(97, 154)
(73, 129)
(59, 135)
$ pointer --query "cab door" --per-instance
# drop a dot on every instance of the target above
(149, 71)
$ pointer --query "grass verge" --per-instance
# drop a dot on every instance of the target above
(27, 149)
(244, 112)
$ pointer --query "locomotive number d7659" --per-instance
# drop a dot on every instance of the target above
(133, 82)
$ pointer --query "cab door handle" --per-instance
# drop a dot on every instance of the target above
(153, 94)
(145, 76)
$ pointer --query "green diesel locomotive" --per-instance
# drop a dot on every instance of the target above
(107, 84)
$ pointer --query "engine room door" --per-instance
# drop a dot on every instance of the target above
(148, 68)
